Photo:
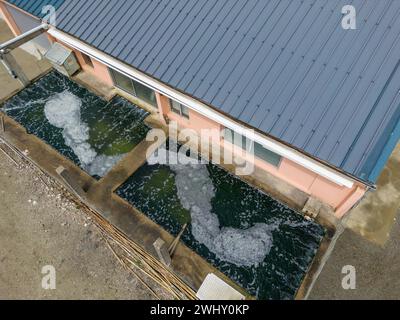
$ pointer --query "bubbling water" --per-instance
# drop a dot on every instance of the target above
(63, 111)
(241, 247)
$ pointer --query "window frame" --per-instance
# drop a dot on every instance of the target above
(179, 109)
(132, 82)
(253, 146)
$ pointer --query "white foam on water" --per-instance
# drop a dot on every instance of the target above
(102, 164)
(63, 111)
(241, 247)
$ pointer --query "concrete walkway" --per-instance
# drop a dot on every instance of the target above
(377, 269)
(374, 217)
(124, 169)
(365, 244)
(186, 263)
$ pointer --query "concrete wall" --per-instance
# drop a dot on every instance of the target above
(341, 199)
(6, 15)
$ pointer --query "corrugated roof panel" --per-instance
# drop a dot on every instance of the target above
(184, 49)
(285, 67)
(284, 50)
(158, 28)
(164, 32)
(34, 7)
(234, 44)
(99, 31)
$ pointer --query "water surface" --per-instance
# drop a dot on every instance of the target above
(154, 190)
(93, 133)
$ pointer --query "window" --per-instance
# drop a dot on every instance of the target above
(133, 87)
(267, 155)
(179, 109)
(259, 151)
(145, 93)
(87, 60)
(123, 82)
(237, 139)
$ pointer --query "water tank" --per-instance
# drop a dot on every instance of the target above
(63, 59)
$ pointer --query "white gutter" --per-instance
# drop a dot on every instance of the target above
(203, 109)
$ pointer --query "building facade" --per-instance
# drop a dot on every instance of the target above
(275, 160)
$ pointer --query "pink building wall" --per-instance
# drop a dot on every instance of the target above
(99, 70)
(340, 198)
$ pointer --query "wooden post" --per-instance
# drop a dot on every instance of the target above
(174, 244)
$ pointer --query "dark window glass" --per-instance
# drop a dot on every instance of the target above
(87, 60)
(122, 82)
(185, 111)
(259, 151)
(135, 88)
(267, 155)
(145, 93)
(238, 140)
(177, 108)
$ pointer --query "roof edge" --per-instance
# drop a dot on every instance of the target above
(333, 174)
(386, 153)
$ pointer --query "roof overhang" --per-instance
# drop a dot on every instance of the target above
(205, 110)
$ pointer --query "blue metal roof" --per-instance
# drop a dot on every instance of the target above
(284, 67)
(35, 6)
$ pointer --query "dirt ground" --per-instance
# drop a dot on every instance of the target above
(38, 228)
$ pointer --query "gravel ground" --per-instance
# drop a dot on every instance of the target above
(373, 249)
(39, 228)
(377, 269)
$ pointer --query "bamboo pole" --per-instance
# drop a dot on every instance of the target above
(123, 263)
(9, 157)
(134, 255)
(2, 126)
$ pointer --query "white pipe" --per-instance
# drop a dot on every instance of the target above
(205, 110)
(23, 38)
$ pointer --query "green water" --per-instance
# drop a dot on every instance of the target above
(152, 190)
(115, 127)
